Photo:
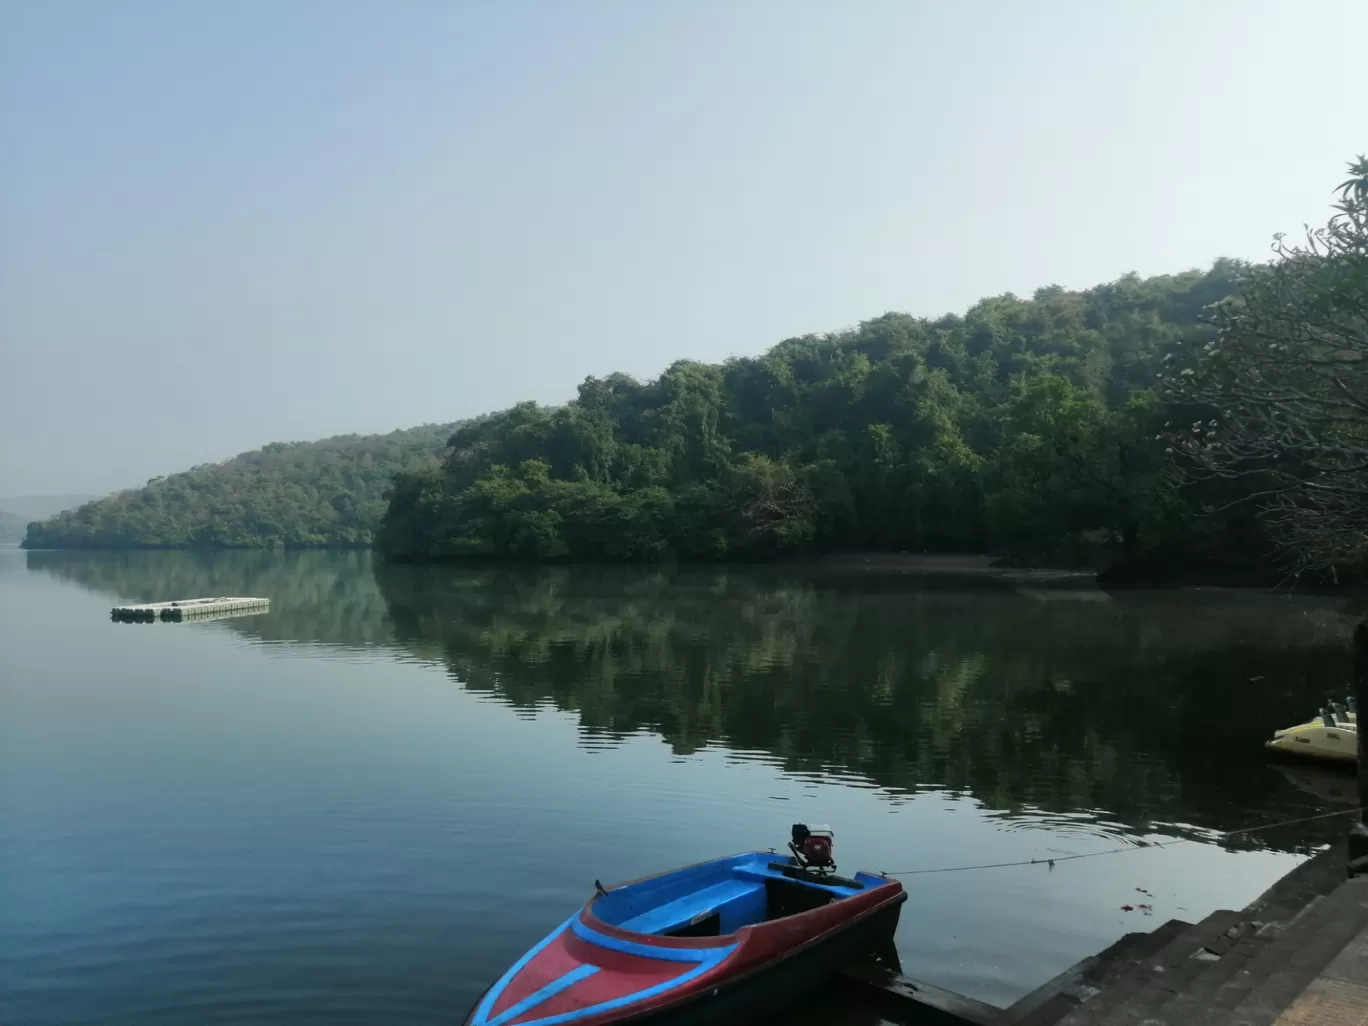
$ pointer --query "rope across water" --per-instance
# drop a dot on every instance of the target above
(1138, 846)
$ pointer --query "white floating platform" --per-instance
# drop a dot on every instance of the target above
(190, 609)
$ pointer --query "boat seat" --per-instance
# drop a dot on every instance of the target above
(680, 912)
(765, 871)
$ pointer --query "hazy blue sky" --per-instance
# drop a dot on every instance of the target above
(223, 224)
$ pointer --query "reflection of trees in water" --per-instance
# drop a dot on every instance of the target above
(1150, 706)
(325, 597)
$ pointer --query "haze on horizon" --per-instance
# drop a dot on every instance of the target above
(230, 224)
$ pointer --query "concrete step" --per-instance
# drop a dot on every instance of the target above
(1104, 977)
(1148, 944)
(1233, 952)
(1183, 1007)
(1339, 920)
(1154, 978)
(1046, 1013)
(1249, 966)
(1056, 998)
(1179, 970)
(1237, 985)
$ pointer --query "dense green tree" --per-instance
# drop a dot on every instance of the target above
(1056, 472)
(1027, 426)
(297, 495)
(1037, 428)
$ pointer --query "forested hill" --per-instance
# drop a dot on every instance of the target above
(298, 494)
(1026, 425)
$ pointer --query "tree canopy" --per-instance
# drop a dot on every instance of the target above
(1025, 426)
(328, 493)
(1045, 428)
(1273, 411)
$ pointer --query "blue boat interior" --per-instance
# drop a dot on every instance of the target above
(720, 897)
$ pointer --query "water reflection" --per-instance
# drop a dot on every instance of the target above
(1149, 707)
(1132, 711)
(322, 597)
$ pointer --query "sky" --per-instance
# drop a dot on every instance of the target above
(225, 224)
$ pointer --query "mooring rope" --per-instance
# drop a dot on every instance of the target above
(1137, 846)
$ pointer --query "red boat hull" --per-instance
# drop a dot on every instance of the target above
(591, 973)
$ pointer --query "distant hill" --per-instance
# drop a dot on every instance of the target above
(40, 507)
(292, 494)
(11, 527)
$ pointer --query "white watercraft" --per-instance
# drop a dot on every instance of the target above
(1333, 735)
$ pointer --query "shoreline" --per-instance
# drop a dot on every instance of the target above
(945, 566)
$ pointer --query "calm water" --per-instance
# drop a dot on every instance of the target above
(364, 805)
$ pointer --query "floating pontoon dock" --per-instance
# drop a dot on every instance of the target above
(189, 609)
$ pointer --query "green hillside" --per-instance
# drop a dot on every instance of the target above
(1025, 426)
(294, 494)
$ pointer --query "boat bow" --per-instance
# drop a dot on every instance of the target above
(580, 974)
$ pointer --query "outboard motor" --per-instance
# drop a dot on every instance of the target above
(812, 848)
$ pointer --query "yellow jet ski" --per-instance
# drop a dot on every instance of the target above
(1333, 735)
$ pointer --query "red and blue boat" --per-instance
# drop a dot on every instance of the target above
(721, 941)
